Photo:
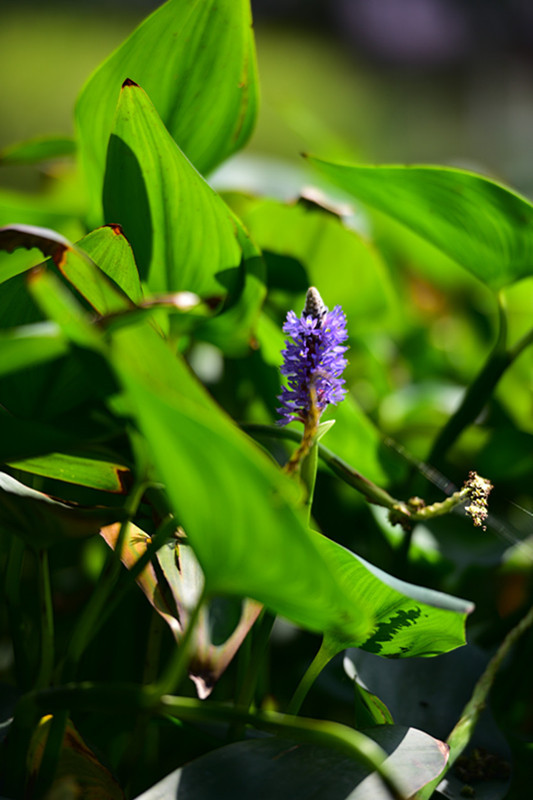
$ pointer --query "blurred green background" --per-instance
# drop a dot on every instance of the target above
(439, 81)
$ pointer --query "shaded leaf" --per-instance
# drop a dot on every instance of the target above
(135, 544)
(479, 223)
(430, 694)
(42, 521)
(29, 345)
(185, 578)
(197, 63)
(285, 769)
(79, 772)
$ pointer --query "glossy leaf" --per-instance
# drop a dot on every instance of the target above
(285, 769)
(409, 620)
(197, 63)
(484, 226)
(175, 211)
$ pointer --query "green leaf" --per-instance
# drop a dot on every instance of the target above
(256, 544)
(29, 345)
(42, 148)
(103, 475)
(482, 225)
(337, 260)
(196, 60)
(286, 768)
(110, 250)
(175, 211)
(409, 620)
(207, 463)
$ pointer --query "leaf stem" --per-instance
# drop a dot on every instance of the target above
(322, 658)
(481, 388)
(112, 698)
(89, 620)
(463, 730)
(403, 512)
(47, 621)
(12, 584)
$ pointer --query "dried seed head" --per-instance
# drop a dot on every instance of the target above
(314, 305)
(478, 493)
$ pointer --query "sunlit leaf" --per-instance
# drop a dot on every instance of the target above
(409, 620)
(197, 63)
(102, 475)
(479, 223)
(175, 211)
(337, 260)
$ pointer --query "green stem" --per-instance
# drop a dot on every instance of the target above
(140, 745)
(90, 619)
(47, 622)
(12, 584)
(322, 658)
(177, 667)
(248, 686)
(263, 630)
(477, 394)
(115, 698)
(463, 730)
(14, 771)
(329, 734)
(373, 493)
(400, 511)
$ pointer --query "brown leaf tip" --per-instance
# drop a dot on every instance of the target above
(129, 82)
(115, 228)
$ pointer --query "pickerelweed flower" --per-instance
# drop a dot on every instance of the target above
(313, 361)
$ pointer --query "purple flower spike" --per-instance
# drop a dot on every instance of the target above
(313, 360)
